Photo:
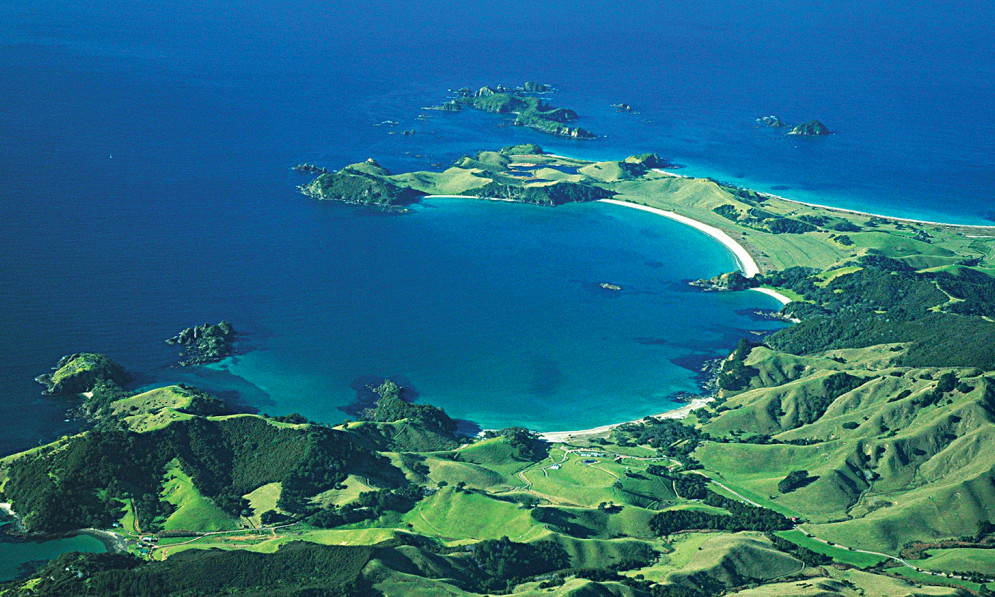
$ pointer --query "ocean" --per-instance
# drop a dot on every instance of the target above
(146, 188)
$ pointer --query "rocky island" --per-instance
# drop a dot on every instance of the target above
(771, 121)
(307, 168)
(728, 282)
(812, 128)
(205, 343)
(365, 183)
(529, 110)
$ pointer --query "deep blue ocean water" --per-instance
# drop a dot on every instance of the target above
(144, 154)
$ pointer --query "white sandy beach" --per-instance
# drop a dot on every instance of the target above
(771, 292)
(677, 413)
(743, 257)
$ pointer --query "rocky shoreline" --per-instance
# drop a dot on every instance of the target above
(308, 168)
(113, 542)
(82, 372)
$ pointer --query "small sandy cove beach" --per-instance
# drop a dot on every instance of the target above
(677, 413)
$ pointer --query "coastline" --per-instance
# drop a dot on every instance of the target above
(749, 268)
(113, 542)
(846, 210)
(744, 260)
(771, 292)
(7, 509)
(468, 197)
(677, 413)
(874, 215)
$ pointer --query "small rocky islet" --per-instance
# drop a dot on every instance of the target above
(812, 128)
(308, 168)
(207, 343)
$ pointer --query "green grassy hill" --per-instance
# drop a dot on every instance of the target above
(734, 560)
(888, 470)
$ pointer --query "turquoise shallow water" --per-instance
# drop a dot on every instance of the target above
(494, 312)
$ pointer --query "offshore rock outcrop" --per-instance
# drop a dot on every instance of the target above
(812, 128)
(205, 343)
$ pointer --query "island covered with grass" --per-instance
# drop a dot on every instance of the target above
(847, 454)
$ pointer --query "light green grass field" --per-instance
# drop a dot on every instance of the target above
(269, 542)
(194, 512)
(262, 499)
(453, 515)
(731, 556)
(578, 484)
(828, 276)
(496, 455)
(922, 577)
(128, 523)
(474, 475)
(840, 554)
(153, 400)
(682, 547)
(846, 583)
(354, 485)
(981, 561)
